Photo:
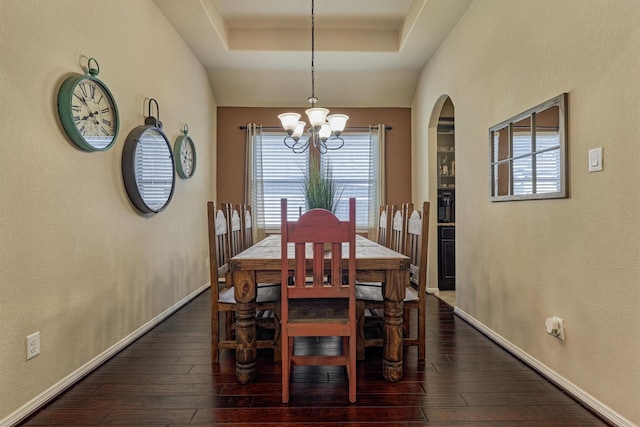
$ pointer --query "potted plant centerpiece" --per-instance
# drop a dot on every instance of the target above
(321, 189)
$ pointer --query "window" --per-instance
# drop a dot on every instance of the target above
(283, 172)
(350, 165)
(528, 154)
(282, 176)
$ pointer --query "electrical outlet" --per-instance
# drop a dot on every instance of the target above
(33, 345)
(555, 327)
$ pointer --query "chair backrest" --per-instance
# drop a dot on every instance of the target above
(399, 228)
(309, 234)
(247, 226)
(383, 225)
(218, 244)
(417, 245)
(234, 225)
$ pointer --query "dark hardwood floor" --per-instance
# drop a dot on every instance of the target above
(166, 378)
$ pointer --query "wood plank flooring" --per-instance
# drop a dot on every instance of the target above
(166, 378)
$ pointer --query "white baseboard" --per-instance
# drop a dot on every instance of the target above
(572, 389)
(37, 402)
(434, 291)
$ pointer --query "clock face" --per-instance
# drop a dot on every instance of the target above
(185, 153)
(186, 158)
(93, 113)
(88, 113)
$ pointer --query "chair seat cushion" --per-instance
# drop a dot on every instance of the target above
(329, 310)
(367, 292)
(265, 293)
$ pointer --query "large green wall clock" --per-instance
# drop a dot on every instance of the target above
(88, 111)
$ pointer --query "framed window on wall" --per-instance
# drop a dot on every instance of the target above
(528, 153)
(282, 174)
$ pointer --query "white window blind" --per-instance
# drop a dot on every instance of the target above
(283, 172)
(155, 178)
(350, 165)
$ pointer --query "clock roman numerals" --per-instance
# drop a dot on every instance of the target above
(93, 111)
(185, 155)
(88, 112)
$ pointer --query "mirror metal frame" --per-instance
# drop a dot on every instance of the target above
(129, 167)
(559, 101)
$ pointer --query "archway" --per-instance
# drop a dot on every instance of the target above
(445, 207)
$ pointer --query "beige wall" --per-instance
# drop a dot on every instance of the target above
(231, 146)
(578, 258)
(77, 262)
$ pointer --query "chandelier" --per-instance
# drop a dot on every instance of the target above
(324, 132)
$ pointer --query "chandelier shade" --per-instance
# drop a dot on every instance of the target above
(323, 128)
(317, 116)
(289, 121)
(337, 122)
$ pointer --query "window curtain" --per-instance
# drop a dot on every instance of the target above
(253, 187)
(377, 178)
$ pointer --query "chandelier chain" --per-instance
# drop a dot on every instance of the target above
(324, 132)
(313, 98)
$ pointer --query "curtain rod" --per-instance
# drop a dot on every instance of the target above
(244, 127)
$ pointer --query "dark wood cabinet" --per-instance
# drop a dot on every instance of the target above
(446, 258)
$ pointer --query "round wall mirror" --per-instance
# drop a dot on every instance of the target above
(148, 168)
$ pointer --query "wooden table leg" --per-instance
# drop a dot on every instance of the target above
(245, 295)
(392, 338)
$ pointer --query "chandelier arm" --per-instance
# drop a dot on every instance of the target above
(299, 146)
(335, 138)
(287, 144)
(321, 146)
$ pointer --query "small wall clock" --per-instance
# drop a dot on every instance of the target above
(185, 154)
(88, 111)
(148, 167)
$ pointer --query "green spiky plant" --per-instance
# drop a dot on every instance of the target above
(321, 190)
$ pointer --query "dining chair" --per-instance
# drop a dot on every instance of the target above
(370, 301)
(399, 215)
(223, 303)
(384, 225)
(234, 225)
(370, 305)
(417, 251)
(247, 225)
(318, 298)
(265, 319)
(234, 247)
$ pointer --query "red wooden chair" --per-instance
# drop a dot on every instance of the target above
(319, 298)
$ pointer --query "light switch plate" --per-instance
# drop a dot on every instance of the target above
(595, 159)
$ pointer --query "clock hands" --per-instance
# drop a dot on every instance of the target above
(93, 118)
(84, 101)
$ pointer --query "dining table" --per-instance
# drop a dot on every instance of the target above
(261, 263)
